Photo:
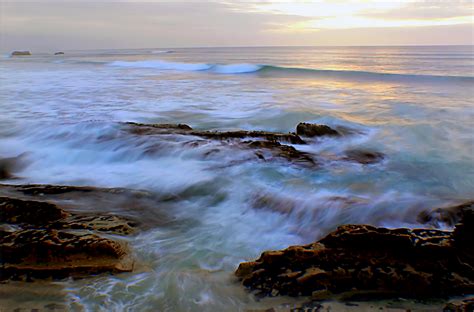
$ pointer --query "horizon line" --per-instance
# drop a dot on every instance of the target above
(257, 46)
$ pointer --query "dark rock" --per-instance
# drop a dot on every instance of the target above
(30, 254)
(364, 157)
(268, 136)
(10, 165)
(59, 53)
(315, 130)
(139, 128)
(26, 211)
(365, 262)
(42, 239)
(21, 53)
(283, 151)
(446, 216)
(466, 305)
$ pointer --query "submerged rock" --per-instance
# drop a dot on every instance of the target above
(446, 216)
(465, 305)
(10, 165)
(283, 151)
(364, 157)
(365, 262)
(315, 130)
(21, 53)
(139, 128)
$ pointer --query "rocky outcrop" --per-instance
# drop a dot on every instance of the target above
(40, 253)
(21, 53)
(364, 157)
(268, 145)
(315, 130)
(59, 53)
(10, 165)
(466, 305)
(40, 239)
(445, 216)
(139, 128)
(364, 262)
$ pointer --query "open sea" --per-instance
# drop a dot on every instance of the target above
(63, 114)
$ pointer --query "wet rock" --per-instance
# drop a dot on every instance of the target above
(59, 53)
(445, 216)
(98, 223)
(41, 239)
(465, 305)
(267, 136)
(283, 151)
(364, 262)
(38, 253)
(139, 128)
(15, 211)
(364, 157)
(315, 130)
(10, 165)
(21, 53)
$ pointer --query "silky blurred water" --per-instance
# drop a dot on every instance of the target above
(414, 104)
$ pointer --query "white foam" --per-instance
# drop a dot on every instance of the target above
(236, 68)
(215, 68)
(161, 51)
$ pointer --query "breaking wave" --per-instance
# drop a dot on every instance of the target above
(287, 71)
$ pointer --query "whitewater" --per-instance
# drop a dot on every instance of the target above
(63, 115)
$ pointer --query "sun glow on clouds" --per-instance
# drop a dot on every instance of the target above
(367, 14)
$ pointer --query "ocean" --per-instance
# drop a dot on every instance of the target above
(64, 115)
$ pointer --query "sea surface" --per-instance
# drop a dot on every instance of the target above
(63, 114)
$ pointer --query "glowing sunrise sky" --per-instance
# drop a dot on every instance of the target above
(67, 24)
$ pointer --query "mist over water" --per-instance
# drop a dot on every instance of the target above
(64, 114)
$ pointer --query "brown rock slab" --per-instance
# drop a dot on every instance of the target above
(365, 262)
(315, 130)
(37, 253)
(21, 53)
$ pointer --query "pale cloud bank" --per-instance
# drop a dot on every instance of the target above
(67, 24)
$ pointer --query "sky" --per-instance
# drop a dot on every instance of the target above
(46, 25)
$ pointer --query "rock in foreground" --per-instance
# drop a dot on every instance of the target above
(365, 262)
(40, 239)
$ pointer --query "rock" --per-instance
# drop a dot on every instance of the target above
(20, 53)
(15, 211)
(139, 128)
(283, 151)
(363, 156)
(98, 223)
(41, 239)
(38, 253)
(59, 53)
(446, 216)
(315, 130)
(366, 262)
(10, 165)
(465, 305)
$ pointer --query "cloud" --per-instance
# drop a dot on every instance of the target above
(425, 10)
(53, 25)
